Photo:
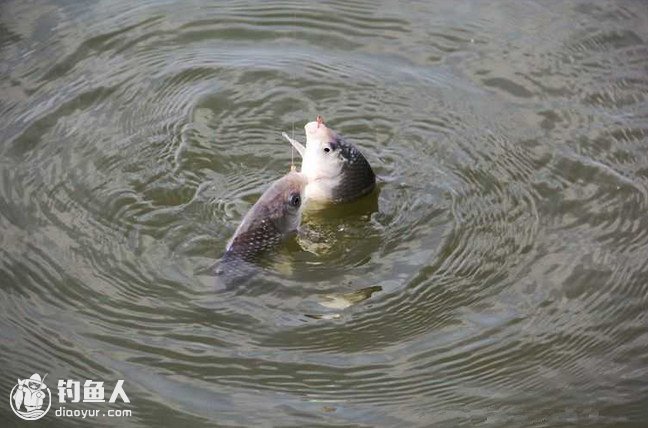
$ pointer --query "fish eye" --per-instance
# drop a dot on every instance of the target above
(295, 200)
(326, 150)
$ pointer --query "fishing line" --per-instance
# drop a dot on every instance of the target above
(292, 81)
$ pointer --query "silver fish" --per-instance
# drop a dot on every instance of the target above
(335, 169)
(271, 219)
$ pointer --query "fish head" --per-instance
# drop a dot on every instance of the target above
(287, 201)
(275, 214)
(335, 168)
(321, 158)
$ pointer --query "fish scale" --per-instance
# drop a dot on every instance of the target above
(358, 179)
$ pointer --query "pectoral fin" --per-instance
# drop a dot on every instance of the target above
(296, 144)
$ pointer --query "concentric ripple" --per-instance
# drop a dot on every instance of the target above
(505, 248)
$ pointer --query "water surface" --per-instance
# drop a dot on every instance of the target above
(509, 234)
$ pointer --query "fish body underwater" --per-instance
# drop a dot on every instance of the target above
(271, 219)
(335, 169)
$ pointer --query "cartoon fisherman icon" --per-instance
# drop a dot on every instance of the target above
(29, 393)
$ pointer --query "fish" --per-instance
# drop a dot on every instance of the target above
(345, 300)
(342, 301)
(274, 217)
(18, 395)
(336, 170)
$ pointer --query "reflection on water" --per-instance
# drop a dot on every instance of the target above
(505, 251)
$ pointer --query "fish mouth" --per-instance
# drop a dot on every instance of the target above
(315, 130)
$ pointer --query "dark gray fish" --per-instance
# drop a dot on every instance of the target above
(335, 169)
(271, 219)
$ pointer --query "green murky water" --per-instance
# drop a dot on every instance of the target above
(509, 235)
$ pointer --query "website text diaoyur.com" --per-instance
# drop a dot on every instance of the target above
(92, 413)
